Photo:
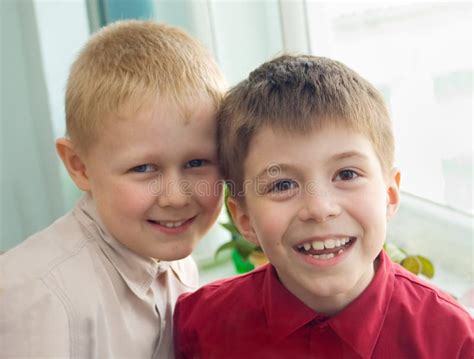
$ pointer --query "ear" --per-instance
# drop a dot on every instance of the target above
(73, 163)
(393, 192)
(241, 219)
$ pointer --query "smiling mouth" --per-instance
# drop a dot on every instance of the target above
(325, 249)
(171, 224)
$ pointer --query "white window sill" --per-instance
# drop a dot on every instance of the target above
(441, 234)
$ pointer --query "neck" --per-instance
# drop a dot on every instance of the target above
(332, 304)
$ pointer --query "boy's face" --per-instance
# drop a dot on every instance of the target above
(318, 205)
(154, 178)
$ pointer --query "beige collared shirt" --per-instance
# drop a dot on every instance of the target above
(73, 291)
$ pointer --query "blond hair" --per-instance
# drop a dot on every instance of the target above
(299, 94)
(133, 60)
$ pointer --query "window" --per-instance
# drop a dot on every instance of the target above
(419, 56)
(58, 51)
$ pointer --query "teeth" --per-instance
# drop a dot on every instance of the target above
(327, 244)
(318, 245)
(171, 224)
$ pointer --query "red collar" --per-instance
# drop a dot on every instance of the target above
(358, 324)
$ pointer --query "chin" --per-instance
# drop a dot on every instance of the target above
(175, 254)
(173, 257)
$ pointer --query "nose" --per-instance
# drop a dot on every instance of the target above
(319, 206)
(174, 193)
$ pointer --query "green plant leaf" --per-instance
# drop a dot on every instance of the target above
(231, 228)
(244, 247)
(403, 251)
(228, 245)
(427, 268)
(394, 252)
(413, 264)
(258, 249)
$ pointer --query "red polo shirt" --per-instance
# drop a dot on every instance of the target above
(255, 316)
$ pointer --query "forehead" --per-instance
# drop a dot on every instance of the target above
(159, 125)
(272, 147)
(166, 108)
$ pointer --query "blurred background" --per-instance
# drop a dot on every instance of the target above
(418, 54)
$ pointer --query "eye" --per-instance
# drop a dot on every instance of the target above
(144, 168)
(195, 163)
(282, 185)
(346, 175)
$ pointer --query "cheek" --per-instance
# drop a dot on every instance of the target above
(370, 210)
(129, 199)
(269, 220)
(208, 192)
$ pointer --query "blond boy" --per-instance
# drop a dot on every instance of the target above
(306, 145)
(101, 282)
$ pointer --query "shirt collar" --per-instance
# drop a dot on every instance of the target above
(278, 302)
(369, 310)
(138, 272)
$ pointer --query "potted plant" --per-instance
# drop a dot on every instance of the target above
(246, 256)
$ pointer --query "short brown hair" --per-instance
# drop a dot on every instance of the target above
(298, 94)
(132, 60)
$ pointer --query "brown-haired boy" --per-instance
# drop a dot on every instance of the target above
(307, 147)
(102, 281)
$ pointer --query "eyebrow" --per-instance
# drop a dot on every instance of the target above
(284, 167)
(348, 154)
